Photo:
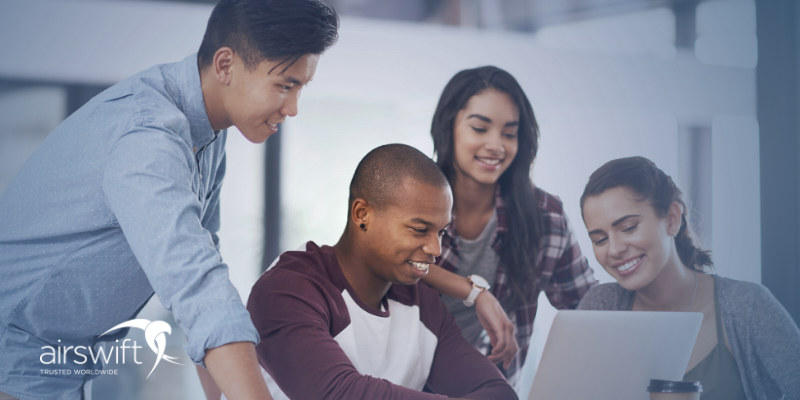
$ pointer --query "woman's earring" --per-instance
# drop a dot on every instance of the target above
(362, 226)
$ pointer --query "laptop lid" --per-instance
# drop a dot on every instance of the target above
(613, 354)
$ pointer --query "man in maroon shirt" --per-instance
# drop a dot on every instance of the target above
(353, 321)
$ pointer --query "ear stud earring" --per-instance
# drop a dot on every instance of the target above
(362, 226)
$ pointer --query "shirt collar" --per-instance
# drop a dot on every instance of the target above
(191, 101)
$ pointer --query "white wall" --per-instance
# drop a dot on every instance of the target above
(95, 42)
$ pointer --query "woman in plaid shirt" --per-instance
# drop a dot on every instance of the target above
(505, 233)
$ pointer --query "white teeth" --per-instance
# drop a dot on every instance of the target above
(272, 125)
(490, 161)
(629, 264)
(420, 266)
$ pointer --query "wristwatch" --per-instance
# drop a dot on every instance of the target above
(478, 285)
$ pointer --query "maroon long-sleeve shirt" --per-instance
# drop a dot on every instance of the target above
(319, 341)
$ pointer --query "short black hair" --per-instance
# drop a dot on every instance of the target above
(256, 30)
(382, 170)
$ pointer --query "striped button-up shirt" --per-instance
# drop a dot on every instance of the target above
(119, 202)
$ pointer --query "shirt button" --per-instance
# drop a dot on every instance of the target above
(201, 176)
(194, 149)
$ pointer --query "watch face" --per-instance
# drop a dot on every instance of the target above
(479, 281)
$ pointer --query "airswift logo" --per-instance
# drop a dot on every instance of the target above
(154, 335)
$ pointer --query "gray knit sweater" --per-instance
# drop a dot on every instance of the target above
(764, 340)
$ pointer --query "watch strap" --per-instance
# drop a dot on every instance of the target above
(473, 294)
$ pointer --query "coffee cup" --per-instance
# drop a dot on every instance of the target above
(674, 390)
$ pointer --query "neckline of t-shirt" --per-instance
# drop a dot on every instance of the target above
(337, 270)
(490, 226)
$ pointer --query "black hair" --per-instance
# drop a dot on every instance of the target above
(382, 170)
(256, 30)
(521, 244)
(645, 179)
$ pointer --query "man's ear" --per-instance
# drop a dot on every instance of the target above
(222, 65)
(360, 213)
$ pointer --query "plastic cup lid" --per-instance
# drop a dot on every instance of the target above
(662, 386)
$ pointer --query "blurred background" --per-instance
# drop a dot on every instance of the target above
(708, 90)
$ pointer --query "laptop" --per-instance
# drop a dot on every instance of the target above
(613, 355)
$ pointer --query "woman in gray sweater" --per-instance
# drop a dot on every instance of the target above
(748, 346)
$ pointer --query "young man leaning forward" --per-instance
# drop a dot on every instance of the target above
(353, 321)
(122, 201)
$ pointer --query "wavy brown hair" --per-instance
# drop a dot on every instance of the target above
(648, 181)
(521, 243)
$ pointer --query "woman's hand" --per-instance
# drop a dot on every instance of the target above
(490, 314)
(500, 329)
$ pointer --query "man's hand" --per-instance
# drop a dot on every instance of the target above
(500, 329)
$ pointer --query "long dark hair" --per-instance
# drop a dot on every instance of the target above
(521, 243)
(654, 186)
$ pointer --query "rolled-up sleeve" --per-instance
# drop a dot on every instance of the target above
(150, 187)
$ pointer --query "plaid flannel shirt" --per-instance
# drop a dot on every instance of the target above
(562, 270)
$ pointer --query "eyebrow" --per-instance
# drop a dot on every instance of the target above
(421, 221)
(427, 223)
(481, 117)
(293, 80)
(615, 223)
(489, 120)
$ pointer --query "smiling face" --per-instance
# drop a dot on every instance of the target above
(629, 240)
(256, 101)
(406, 236)
(485, 136)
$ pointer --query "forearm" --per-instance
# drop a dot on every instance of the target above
(447, 283)
(490, 313)
(496, 392)
(459, 371)
(235, 370)
(209, 387)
